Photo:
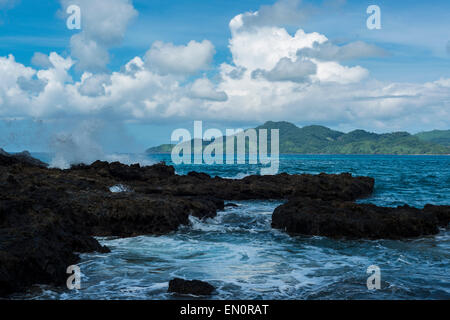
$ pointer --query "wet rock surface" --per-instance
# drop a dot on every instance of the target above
(343, 219)
(48, 216)
(194, 287)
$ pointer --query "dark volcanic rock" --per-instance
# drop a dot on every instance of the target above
(339, 219)
(442, 214)
(38, 242)
(280, 186)
(47, 216)
(334, 187)
(195, 287)
(137, 215)
(161, 179)
(125, 172)
(23, 157)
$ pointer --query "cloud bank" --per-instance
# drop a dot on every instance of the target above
(273, 75)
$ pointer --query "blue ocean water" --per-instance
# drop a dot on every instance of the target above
(244, 258)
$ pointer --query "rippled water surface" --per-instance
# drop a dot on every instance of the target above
(244, 258)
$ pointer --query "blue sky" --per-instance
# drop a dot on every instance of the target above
(414, 35)
(32, 26)
(414, 32)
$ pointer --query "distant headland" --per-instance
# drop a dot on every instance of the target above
(317, 139)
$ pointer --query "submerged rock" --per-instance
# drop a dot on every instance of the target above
(194, 287)
(339, 219)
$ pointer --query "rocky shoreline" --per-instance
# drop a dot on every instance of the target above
(48, 216)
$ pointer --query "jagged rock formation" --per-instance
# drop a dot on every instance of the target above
(23, 157)
(339, 219)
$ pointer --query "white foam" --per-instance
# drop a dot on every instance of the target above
(119, 188)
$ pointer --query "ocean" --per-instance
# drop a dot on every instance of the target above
(244, 258)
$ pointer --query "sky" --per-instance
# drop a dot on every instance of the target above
(137, 70)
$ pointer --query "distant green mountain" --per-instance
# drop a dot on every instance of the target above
(322, 140)
(441, 137)
(164, 148)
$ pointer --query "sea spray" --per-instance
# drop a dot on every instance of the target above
(82, 145)
(78, 146)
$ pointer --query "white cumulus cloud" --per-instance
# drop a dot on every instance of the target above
(41, 60)
(167, 58)
(204, 89)
(353, 50)
(288, 70)
(103, 25)
(273, 75)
